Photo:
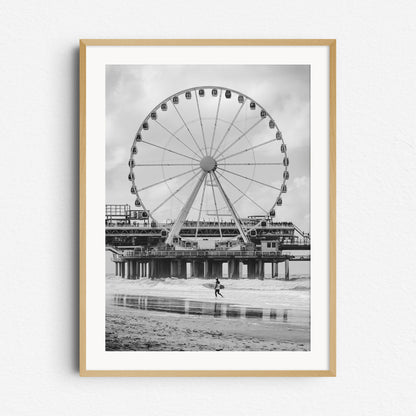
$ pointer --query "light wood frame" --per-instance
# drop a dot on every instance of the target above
(331, 43)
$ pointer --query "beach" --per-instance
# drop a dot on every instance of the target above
(184, 315)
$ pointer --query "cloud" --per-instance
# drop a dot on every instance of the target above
(301, 182)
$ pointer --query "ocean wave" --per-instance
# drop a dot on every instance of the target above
(299, 287)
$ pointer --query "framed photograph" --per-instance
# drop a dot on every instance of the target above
(207, 207)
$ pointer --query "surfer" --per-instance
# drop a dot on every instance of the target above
(218, 288)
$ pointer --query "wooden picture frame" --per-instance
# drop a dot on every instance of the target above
(85, 370)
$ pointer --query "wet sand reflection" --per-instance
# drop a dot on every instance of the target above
(201, 308)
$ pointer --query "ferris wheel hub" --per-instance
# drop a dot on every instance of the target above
(208, 164)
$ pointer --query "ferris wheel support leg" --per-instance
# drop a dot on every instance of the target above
(231, 209)
(185, 210)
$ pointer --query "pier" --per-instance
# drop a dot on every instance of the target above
(140, 250)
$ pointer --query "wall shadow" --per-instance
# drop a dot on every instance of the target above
(74, 116)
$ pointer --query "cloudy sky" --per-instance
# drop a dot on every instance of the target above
(283, 91)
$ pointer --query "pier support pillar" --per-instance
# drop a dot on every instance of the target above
(132, 276)
(230, 268)
(217, 269)
(214, 269)
(234, 269)
(166, 268)
(161, 268)
(287, 269)
(116, 266)
(123, 270)
(275, 269)
(207, 269)
(199, 269)
(181, 269)
(260, 269)
(173, 269)
(251, 269)
(152, 268)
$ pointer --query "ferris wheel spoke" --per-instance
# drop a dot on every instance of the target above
(254, 164)
(216, 207)
(164, 164)
(200, 122)
(240, 137)
(169, 150)
(243, 194)
(247, 150)
(215, 124)
(229, 128)
(166, 180)
(231, 209)
(176, 137)
(249, 179)
(200, 206)
(187, 128)
(174, 193)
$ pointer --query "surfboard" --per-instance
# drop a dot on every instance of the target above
(212, 286)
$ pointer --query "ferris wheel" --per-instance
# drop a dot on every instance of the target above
(208, 154)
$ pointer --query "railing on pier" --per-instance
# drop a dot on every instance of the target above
(203, 254)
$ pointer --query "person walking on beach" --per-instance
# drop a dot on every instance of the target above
(218, 288)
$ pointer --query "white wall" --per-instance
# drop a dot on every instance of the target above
(376, 207)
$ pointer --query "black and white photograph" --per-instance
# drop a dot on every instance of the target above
(207, 208)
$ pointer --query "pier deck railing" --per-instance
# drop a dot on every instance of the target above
(210, 254)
